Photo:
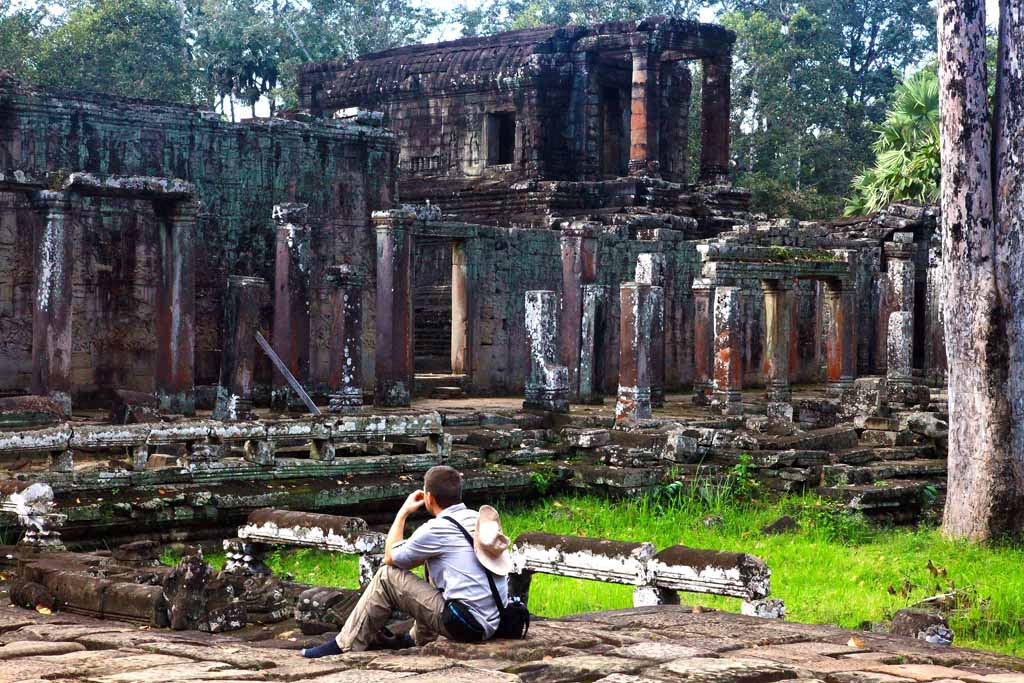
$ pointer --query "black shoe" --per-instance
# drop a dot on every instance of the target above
(386, 640)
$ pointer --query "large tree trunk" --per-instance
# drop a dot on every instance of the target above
(981, 258)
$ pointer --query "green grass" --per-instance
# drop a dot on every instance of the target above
(836, 569)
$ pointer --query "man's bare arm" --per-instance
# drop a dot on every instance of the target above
(397, 531)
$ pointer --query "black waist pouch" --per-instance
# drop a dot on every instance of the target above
(460, 624)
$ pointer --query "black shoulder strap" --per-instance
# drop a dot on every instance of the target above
(490, 578)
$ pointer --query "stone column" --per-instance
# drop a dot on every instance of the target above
(728, 351)
(548, 385)
(703, 340)
(394, 359)
(176, 308)
(637, 301)
(841, 348)
(593, 336)
(899, 284)
(778, 308)
(579, 268)
(643, 112)
(291, 299)
(53, 297)
(715, 109)
(345, 378)
(460, 310)
(650, 270)
(242, 301)
(899, 371)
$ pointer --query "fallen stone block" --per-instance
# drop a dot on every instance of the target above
(587, 438)
(132, 407)
(18, 412)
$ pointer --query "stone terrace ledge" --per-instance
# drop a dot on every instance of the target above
(629, 646)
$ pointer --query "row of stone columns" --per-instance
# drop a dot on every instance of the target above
(718, 370)
(53, 301)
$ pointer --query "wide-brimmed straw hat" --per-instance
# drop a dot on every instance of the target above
(490, 544)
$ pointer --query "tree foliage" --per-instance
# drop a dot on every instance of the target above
(907, 150)
(136, 48)
(493, 16)
(810, 82)
(20, 31)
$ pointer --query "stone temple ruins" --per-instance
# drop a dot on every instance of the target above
(495, 253)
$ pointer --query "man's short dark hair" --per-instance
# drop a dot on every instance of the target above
(445, 484)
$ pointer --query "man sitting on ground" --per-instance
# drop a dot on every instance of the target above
(458, 603)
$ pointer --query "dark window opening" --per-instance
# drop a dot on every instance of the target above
(500, 133)
(614, 161)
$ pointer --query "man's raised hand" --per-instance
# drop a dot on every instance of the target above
(414, 502)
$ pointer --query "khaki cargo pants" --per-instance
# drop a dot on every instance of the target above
(393, 588)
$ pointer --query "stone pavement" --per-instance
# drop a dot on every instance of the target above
(645, 645)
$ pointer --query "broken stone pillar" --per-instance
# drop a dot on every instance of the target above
(703, 340)
(176, 308)
(346, 342)
(650, 269)
(728, 351)
(778, 307)
(52, 297)
(394, 353)
(899, 373)
(548, 385)
(579, 268)
(291, 299)
(841, 347)
(593, 337)
(643, 109)
(242, 301)
(715, 106)
(899, 280)
(637, 302)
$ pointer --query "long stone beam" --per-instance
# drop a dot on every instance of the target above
(328, 532)
(711, 571)
(656, 576)
(128, 187)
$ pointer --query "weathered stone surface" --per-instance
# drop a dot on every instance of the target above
(727, 670)
(37, 649)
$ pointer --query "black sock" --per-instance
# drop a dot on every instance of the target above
(325, 650)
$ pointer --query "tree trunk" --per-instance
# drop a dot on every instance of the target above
(985, 494)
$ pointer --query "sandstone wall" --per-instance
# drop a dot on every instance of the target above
(240, 170)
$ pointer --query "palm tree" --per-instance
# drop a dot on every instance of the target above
(906, 151)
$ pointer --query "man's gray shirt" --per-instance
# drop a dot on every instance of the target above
(452, 564)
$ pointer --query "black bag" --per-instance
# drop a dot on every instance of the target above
(460, 624)
(514, 622)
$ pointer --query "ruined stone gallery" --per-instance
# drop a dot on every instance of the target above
(487, 253)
